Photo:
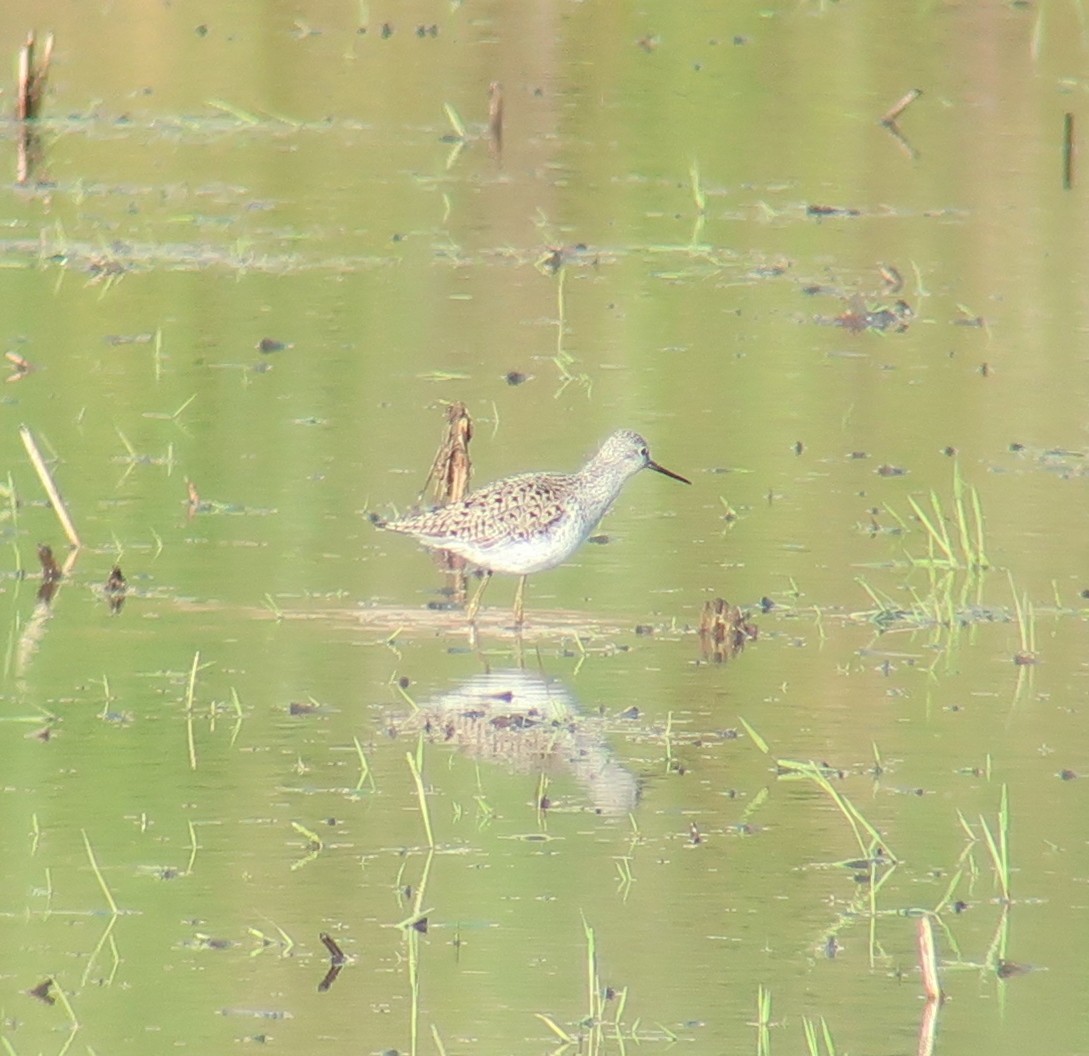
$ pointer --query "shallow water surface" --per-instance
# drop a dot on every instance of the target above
(252, 266)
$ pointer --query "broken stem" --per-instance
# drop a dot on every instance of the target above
(38, 462)
(900, 106)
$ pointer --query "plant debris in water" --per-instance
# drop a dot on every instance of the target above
(51, 574)
(859, 315)
(452, 467)
(115, 590)
(724, 630)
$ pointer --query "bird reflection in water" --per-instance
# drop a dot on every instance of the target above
(529, 723)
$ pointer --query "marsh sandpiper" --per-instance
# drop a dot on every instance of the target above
(532, 521)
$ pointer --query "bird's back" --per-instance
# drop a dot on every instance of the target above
(521, 524)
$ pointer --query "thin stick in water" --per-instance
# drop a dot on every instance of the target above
(98, 874)
(33, 72)
(1068, 151)
(421, 795)
(897, 108)
(928, 961)
(495, 115)
(189, 710)
(38, 462)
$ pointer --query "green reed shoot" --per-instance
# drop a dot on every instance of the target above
(98, 874)
(621, 1003)
(455, 122)
(107, 696)
(556, 1029)
(285, 942)
(421, 795)
(698, 197)
(234, 111)
(62, 997)
(812, 1041)
(998, 844)
(1026, 620)
(886, 611)
(971, 530)
(193, 846)
(439, 1046)
(754, 737)
(937, 535)
(855, 818)
(315, 842)
(396, 682)
(763, 1020)
(967, 517)
(365, 776)
(237, 704)
(950, 890)
(191, 689)
(593, 983)
(700, 201)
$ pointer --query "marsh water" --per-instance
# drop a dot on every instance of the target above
(263, 247)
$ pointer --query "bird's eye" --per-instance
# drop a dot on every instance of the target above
(644, 452)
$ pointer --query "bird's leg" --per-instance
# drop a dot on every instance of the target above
(520, 603)
(474, 605)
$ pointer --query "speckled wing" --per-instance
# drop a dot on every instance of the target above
(513, 525)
